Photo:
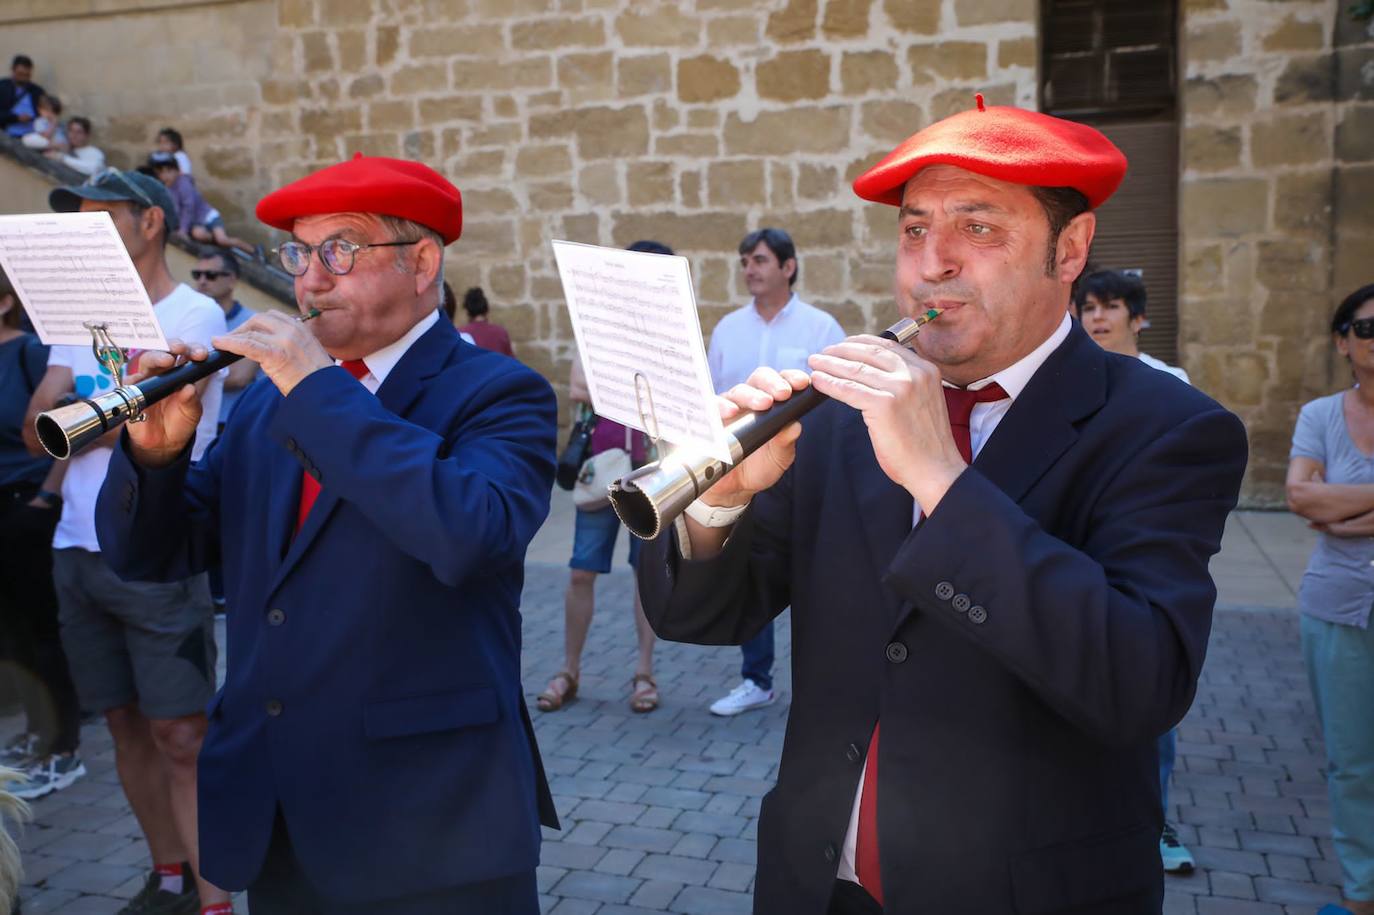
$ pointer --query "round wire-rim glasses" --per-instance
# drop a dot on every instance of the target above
(336, 254)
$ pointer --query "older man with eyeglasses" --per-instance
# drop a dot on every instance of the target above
(370, 750)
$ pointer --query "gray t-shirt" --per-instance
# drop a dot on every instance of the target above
(1338, 585)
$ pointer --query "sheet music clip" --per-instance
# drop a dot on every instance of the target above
(109, 355)
(644, 401)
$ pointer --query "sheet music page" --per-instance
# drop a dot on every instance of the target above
(72, 267)
(635, 319)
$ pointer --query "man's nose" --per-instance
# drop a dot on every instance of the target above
(937, 260)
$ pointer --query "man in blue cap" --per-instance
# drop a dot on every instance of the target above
(141, 653)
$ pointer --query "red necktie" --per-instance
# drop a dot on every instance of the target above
(959, 403)
(310, 487)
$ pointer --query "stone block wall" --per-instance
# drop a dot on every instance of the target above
(608, 121)
(1277, 192)
(693, 122)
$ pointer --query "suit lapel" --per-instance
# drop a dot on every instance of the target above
(398, 393)
(1041, 424)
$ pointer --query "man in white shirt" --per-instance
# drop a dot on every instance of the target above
(371, 507)
(775, 329)
(994, 545)
(143, 654)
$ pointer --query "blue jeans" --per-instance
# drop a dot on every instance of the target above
(1166, 766)
(1340, 668)
(758, 658)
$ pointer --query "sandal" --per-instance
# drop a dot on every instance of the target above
(644, 693)
(550, 701)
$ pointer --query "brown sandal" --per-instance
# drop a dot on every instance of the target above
(645, 698)
(550, 701)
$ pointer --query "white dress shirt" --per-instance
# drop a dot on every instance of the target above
(380, 363)
(743, 341)
(984, 420)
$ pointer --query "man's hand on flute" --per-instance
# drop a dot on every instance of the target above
(900, 396)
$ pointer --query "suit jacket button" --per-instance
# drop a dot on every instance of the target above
(977, 615)
(275, 617)
(961, 602)
(853, 753)
(274, 707)
(831, 854)
(896, 652)
(944, 590)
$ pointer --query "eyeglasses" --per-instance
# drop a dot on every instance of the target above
(1363, 328)
(336, 254)
(208, 274)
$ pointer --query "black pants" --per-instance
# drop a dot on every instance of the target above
(851, 899)
(282, 889)
(33, 667)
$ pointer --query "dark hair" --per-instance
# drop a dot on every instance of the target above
(1106, 285)
(173, 135)
(15, 316)
(226, 257)
(162, 160)
(84, 122)
(650, 247)
(1345, 312)
(54, 102)
(138, 209)
(779, 242)
(450, 302)
(475, 302)
(1061, 206)
(21, 60)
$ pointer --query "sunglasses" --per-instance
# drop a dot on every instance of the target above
(208, 274)
(1363, 328)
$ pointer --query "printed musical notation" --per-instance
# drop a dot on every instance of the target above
(71, 268)
(635, 319)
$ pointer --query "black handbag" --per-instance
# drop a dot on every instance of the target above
(578, 449)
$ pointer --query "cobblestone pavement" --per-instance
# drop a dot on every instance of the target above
(660, 810)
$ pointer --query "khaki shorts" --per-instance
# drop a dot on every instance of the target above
(147, 642)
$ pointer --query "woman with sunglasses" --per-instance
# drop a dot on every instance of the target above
(1331, 484)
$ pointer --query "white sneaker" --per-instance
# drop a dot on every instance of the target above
(742, 698)
(48, 775)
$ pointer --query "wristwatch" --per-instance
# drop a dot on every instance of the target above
(713, 515)
(48, 496)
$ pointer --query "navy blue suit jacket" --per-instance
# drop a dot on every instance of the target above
(373, 687)
(1024, 645)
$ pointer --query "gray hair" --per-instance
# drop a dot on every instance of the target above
(407, 229)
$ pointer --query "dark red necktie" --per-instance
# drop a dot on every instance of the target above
(310, 487)
(959, 403)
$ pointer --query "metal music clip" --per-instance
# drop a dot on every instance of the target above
(644, 401)
(109, 355)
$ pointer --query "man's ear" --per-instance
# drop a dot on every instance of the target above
(1071, 251)
(429, 257)
(789, 267)
(153, 221)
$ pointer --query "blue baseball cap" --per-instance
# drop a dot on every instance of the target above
(114, 185)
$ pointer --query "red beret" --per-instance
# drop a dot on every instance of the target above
(1010, 144)
(370, 184)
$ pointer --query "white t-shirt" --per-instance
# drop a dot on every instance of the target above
(1163, 366)
(183, 315)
